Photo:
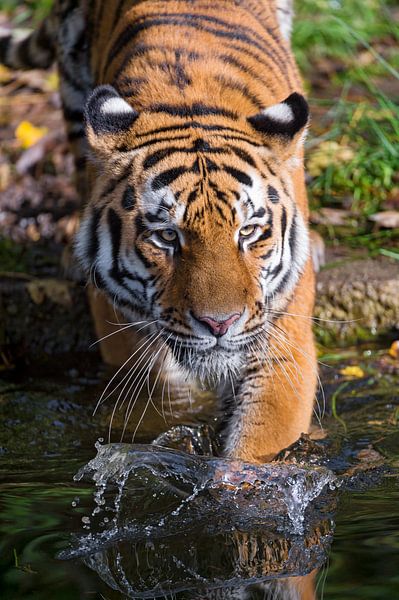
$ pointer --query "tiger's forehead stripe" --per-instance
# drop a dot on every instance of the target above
(220, 29)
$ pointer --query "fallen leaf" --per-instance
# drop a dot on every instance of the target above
(56, 290)
(386, 218)
(5, 74)
(36, 152)
(28, 134)
(394, 349)
(352, 371)
(330, 216)
(52, 81)
(369, 455)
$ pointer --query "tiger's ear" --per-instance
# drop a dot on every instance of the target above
(283, 121)
(108, 117)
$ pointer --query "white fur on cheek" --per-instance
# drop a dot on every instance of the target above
(116, 106)
(279, 112)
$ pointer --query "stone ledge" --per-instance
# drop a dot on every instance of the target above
(363, 292)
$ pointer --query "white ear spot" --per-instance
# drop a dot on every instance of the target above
(279, 112)
(116, 106)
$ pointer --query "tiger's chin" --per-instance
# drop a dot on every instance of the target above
(212, 367)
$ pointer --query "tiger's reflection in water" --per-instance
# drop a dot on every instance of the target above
(236, 565)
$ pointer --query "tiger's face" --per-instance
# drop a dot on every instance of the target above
(201, 235)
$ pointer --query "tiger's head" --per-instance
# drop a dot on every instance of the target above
(193, 222)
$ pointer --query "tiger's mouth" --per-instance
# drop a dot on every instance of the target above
(210, 361)
(211, 366)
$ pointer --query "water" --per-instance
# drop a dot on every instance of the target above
(147, 521)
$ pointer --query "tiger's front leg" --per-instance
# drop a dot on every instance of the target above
(276, 395)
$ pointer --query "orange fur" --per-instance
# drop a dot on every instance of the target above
(180, 65)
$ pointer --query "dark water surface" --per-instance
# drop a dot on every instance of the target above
(148, 522)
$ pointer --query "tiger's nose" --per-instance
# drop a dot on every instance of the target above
(219, 326)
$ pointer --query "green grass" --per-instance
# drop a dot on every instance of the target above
(353, 151)
(368, 131)
(335, 28)
(28, 11)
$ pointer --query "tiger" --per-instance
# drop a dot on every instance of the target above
(187, 120)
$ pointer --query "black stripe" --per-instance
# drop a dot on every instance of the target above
(238, 86)
(267, 255)
(152, 142)
(269, 168)
(167, 177)
(140, 50)
(243, 155)
(293, 234)
(191, 198)
(140, 225)
(231, 60)
(221, 196)
(273, 194)
(199, 146)
(183, 20)
(283, 223)
(239, 175)
(259, 213)
(279, 267)
(115, 229)
(221, 213)
(113, 183)
(197, 125)
(155, 218)
(283, 283)
(265, 235)
(195, 110)
(129, 198)
(92, 247)
(131, 86)
(147, 263)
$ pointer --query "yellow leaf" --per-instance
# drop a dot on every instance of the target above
(5, 74)
(52, 82)
(394, 349)
(28, 134)
(352, 371)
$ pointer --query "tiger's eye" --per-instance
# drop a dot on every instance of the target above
(167, 235)
(248, 230)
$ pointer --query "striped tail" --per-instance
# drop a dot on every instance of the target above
(22, 49)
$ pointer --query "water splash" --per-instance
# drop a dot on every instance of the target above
(172, 511)
(151, 490)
